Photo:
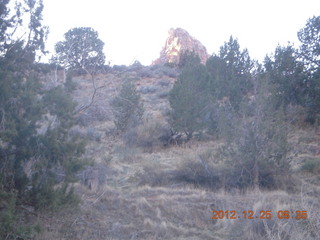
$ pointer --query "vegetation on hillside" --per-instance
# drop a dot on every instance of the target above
(81, 50)
(246, 104)
(36, 151)
(240, 108)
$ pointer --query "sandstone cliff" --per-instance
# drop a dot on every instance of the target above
(178, 41)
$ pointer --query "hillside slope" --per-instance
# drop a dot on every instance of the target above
(141, 193)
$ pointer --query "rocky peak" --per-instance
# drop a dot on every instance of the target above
(178, 41)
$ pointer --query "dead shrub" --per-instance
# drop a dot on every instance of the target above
(199, 175)
(152, 133)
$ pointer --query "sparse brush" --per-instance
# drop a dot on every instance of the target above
(311, 165)
(151, 134)
(200, 174)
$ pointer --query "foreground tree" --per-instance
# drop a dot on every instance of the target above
(81, 50)
(34, 124)
(190, 96)
(309, 37)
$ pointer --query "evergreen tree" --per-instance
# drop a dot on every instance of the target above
(286, 73)
(34, 123)
(189, 97)
(309, 37)
(127, 107)
(19, 90)
(81, 50)
(231, 73)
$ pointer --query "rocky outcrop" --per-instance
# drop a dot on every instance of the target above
(178, 41)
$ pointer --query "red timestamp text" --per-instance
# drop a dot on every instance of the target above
(281, 214)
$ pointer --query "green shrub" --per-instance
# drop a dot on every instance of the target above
(256, 156)
(14, 223)
(311, 165)
(127, 108)
(47, 197)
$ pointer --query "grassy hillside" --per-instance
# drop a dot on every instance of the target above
(151, 191)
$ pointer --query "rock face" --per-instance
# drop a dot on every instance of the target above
(177, 42)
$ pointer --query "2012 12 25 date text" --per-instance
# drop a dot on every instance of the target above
(263, 214)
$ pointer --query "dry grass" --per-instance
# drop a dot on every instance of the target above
(183, 213)
(141, 198)
(123, 209)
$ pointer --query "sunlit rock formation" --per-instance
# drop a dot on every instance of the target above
(178, 41)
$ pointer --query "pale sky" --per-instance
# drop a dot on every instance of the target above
(137, 29)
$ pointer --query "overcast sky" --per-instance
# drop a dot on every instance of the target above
(137, 29)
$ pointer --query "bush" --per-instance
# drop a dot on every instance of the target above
(312, 166)
(127, 108)
(14, 223)
(256, 155)
(54, 199)
(153, 132)
(198, 170)
(200, 174)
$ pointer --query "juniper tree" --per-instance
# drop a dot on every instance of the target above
(231, 73)
(81, 50)
(34, 122)
(286, 75)
(127, 107)
(309, 37)
(189, 97)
